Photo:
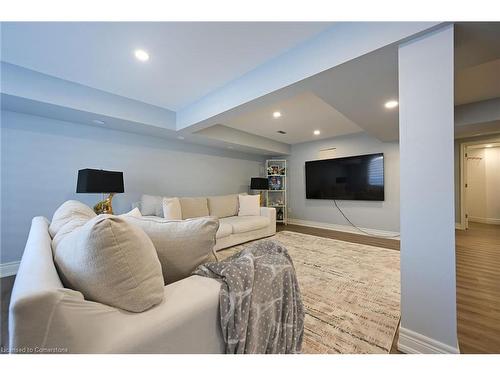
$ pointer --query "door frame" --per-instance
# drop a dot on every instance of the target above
(463, 173)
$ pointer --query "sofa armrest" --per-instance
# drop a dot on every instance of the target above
(269, 212)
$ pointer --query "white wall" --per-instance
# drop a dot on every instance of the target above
(40, 159)
(426, 98)
(483, 179)
(372, 215)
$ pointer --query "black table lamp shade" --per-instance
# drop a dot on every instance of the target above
(259, 183)
(99, 181)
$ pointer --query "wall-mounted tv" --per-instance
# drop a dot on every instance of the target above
(351, 178)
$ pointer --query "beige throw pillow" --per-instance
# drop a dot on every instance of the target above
(112, 262)
(193, 207)
(181, 245)
(172, 209)
(223, 206)
(249, 205)
(69, 211)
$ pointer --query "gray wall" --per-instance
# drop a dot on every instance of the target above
(374, 215)
(40, 158)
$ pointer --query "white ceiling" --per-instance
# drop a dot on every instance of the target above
(187, 59)
(301, 115)
(478, 83)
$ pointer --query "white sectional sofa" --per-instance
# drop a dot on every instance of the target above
(46, 317)
(233, 229)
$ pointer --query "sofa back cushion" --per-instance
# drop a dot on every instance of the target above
(181, 245)
(152, 205)
(74, 212)
(223, 206)
(111, 261)
(194, 207)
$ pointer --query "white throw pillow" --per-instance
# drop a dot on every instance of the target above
(181, 245)
(249, 205)
(70, 211)
(135, 212)
(172, 209)
(112, 262)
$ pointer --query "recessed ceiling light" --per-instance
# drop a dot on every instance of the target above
(391, 104)
(141, 55)
(180, 137)
(277, 114)
(99, 122)
(489, 146)
(317, 132)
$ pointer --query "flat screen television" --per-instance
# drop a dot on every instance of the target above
(351, 178)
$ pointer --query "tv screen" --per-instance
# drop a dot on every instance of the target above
(352, 178)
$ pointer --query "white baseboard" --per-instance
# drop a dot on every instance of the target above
(341, 228)
(9, 269)
(459, 226)
(485, 220)
(411, 342)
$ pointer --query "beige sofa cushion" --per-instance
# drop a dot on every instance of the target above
(181, 245)
(242, 224)
(172, 209)
(112, 262)
(223, 206)
(194, 207)
(70, 211)
(224, 230)
(152, 205)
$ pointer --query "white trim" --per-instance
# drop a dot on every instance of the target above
(341, 228)
(459, 226)
(9, 269)
(411, 342)
(485, 220)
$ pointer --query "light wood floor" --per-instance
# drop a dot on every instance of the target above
(478, 283)
(478, 288)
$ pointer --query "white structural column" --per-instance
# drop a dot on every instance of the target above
(428, 290)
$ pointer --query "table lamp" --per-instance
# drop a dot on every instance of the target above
(100, 181)
(259, 183)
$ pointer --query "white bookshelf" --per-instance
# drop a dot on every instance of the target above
(276, 173)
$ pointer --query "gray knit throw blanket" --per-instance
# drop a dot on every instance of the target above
(261, 308)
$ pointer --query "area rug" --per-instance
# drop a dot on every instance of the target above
(350, 293)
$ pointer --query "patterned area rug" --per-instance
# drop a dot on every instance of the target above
(350, 292)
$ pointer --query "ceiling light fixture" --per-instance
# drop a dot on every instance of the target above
(391, 104)
(99, 122)
(277, 114)
(489, 146)
(317, 132)
(141, 55)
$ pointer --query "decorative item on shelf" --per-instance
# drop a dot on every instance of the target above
(261, 184)
(276, 195)
(100, 181)
(275, 183)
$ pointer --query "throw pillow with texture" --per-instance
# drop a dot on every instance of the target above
(151, 205)
(172, 209)
(70, 211)
(181, 245)
(112, 262)
(249, 205)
